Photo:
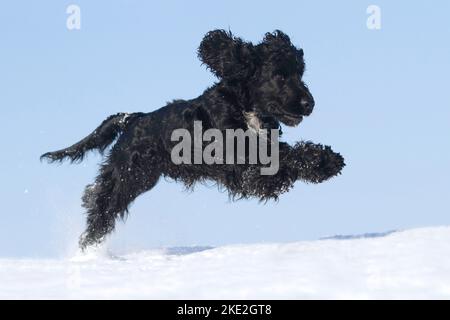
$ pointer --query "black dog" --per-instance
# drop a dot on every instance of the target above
(260, 85)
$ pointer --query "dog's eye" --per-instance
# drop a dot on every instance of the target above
(281, 74)
(281, 78)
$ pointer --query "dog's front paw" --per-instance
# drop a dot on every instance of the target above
(317, 163)
(331, 163)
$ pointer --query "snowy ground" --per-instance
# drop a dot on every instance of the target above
(408, 264)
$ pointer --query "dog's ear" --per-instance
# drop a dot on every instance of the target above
(227, 56)
(277, 47)
(277, 37)
(276, 44)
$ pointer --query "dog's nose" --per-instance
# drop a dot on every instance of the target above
(307, 106)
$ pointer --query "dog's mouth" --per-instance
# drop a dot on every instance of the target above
(290, 120)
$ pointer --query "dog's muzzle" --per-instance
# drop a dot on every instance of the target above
(307, 105)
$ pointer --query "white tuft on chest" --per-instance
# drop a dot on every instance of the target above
(253, 122)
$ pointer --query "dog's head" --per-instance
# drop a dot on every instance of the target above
(271, 72)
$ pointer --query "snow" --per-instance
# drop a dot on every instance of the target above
(407, 264)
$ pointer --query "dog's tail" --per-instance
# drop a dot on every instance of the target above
(100, 139)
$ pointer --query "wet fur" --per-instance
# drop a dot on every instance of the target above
(260, 86)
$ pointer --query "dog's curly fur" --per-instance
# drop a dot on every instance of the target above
(261, 83)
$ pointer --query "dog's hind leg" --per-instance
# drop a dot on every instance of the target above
(109, 197)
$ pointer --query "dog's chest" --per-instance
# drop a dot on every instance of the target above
(253, 122)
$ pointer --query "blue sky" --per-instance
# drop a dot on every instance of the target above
(382, 100)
